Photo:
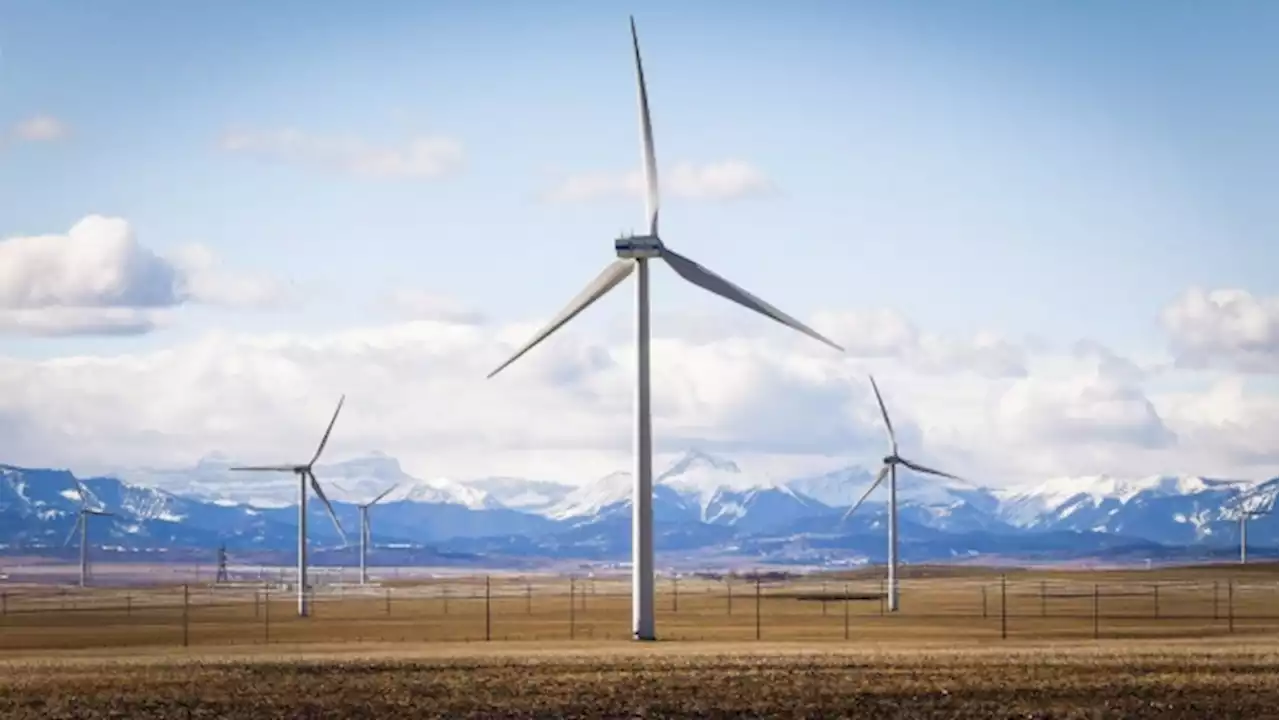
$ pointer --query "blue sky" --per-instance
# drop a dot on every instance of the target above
(1057, 171)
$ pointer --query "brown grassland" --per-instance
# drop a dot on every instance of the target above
(1179, 643)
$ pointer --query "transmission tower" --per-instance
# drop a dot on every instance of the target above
(222, 576)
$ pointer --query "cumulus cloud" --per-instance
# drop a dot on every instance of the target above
(422, 305)
(1224, 328)
(722, 180)
(422, 157)
(1228, 421)
(883, 333)
(98, 279)
(40, 128)
(417, 390)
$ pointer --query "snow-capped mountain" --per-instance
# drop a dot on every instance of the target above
(535, 496)
(699, 488)
(703, 503)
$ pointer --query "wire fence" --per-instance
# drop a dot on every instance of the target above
(482, 609)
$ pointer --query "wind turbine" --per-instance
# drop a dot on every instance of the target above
(366, 537)
(890, 469)
(305, 475)
(1243, 516)
(82, 525)
(634, 253)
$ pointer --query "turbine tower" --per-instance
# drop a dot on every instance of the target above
(305, 475)
(82, 525)
(634, 253)
(890, 469)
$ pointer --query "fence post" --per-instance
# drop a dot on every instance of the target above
(846, 611)
(444, 595)
(1215, 599)
(571, 607)
(984, 601)
(4, 603)
(256, 598)
(1231, 606)
(266, 616)
(757, 605)
(1155, 599)
(387, 601)
(488, 623)
(882, 596)
(128, 604)
(675, 594)
(1004, 623)
(528, 598)
(185, 612)
(728, 590)
(1043, 609)
(1095, 611)
(824, 598)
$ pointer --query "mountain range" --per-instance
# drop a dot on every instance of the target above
(707, 510)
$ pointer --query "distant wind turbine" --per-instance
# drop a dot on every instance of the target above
(890, 469)
(82, 525)
(366, 536)
(634, 253)
(306, 474)
(1242, 516)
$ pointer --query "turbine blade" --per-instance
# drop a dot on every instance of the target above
(103, 513)
(884, 472)
(614, 273)
(84, 500)
(383, 494)
(929, 471)
(713, 283)
(315, 485)
(893, 438)
(325, 440)
(265, 468)
(647, 155)
(74, 528)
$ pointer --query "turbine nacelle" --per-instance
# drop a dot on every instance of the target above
(638, 247)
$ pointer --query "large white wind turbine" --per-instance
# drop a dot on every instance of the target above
(634, 253)
(82, 525)
(890, 470)
(305, 475)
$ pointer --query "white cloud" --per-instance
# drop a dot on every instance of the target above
(1228, 421)
(722, 180)
(1224, 328)
(41, 128)
(422, 305)
(422, 157)
(882, 333)
(417, 390)
(98, 279)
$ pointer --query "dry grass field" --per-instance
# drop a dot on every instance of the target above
(1137, 679)
(1178, 643)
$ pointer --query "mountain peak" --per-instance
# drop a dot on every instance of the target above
(695, 459)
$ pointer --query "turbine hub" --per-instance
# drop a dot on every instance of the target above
(638, 247)
(891, 460)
